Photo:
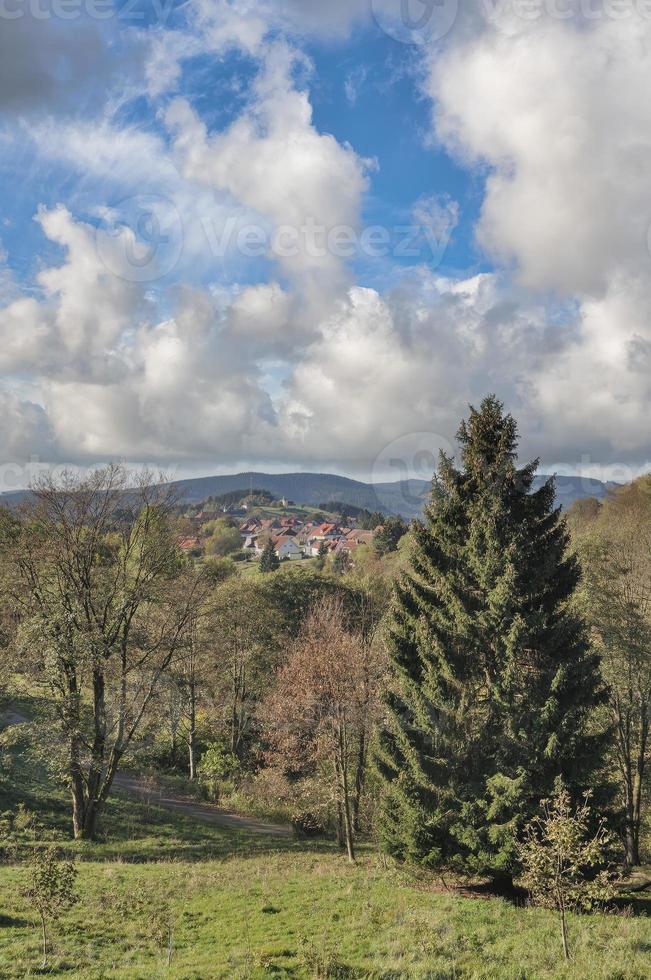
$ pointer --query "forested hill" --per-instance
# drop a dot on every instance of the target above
(313, 489)
(392, 498)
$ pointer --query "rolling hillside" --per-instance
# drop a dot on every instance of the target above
(406, 498)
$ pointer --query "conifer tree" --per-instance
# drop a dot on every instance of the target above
(493, 682)
(269, 560)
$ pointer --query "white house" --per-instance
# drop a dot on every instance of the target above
(287, 549)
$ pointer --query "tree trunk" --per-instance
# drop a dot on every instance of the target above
(44, 941)
(76, 789)
(78, 808)
(631, 845)
(631, 848)
(348, 825)
(89, 828)
(341, 837)
(566, 951)
(345, 791)
(97, 753)
(192, 730)
(360, 774)
(192, 749)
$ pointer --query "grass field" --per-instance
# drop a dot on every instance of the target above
(240, 905)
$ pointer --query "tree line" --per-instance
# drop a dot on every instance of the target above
(508, 663)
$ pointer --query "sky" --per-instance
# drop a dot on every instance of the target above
(293, 235)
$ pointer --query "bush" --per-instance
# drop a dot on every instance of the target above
(216, 767)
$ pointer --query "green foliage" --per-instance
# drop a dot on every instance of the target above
(565, 859)
(217, 763)
(225, 540)
(614, 546)
(218, 570)
(389, 536)
(269, 560)
(341, 563)
(322, 556)
(494, 684)
(293, 592)
(369, 521)
(52, 888)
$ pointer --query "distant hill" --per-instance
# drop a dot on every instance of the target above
(407, 499)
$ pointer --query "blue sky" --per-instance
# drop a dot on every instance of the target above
(139, 159)
(366, 92)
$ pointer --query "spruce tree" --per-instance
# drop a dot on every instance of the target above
(269, 560)
(494, 683)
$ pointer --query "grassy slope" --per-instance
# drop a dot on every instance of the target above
(249, 906)
(281, 913)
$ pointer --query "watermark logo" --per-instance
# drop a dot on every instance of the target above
(511, 17)
(141, 238)
(415, 21)
(141, 12)
(403, 471)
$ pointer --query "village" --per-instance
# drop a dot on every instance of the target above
(296, 534)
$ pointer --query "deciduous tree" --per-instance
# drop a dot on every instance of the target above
(565, 859)
(93, 571)
(614, 546)
(318, 717)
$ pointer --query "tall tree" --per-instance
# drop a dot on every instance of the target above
(244, 632)
(614, 546)
(494, 682)
(320, 710)
(104, 606)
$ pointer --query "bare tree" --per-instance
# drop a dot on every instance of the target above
(317, 718)
(104, 603)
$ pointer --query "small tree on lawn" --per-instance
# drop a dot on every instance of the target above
(269, 560)
(562, 855)
(52, 888)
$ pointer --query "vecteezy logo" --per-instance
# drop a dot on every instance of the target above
(402, 473)
(141, 238)
(415, 21)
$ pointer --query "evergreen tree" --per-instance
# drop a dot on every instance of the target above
(389, 536)
(321, 556)
(493, 679)
(269, 560)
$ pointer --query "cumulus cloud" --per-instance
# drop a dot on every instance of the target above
(297, 363)
(274, 161)
(110, 380)
(556, 111)
(559, 112)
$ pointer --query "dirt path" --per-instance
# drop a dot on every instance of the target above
(198, 811)
(9, 718)
(138, 786)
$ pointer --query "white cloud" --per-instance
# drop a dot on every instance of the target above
(110, 381)
(273, 160)
(557, 111)
(300, 364)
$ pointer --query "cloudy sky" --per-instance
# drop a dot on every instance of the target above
(294, 234)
